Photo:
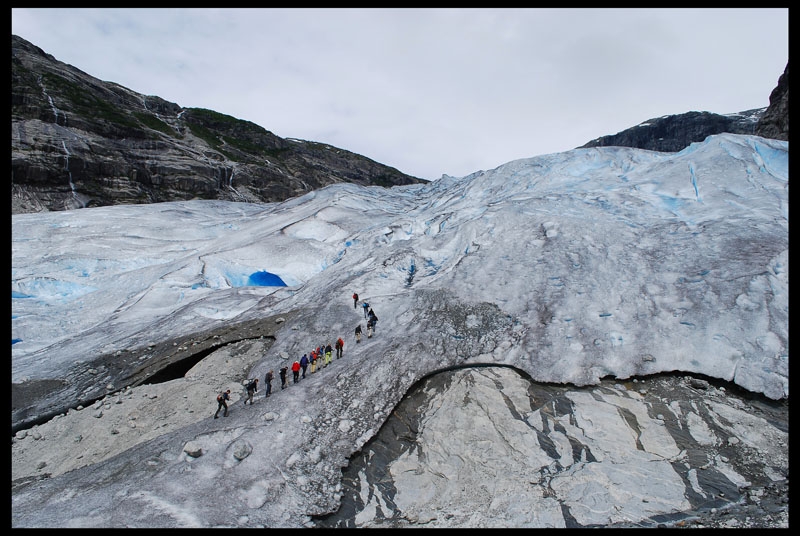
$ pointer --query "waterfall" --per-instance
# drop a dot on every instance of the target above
(69, 175)
(52, 104)
(230, 185)
(66, 167)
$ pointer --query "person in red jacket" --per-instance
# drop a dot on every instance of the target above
(296, 371)
(339, 347)
(355, 300)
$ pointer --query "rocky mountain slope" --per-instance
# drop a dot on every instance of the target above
(77, 141)
(775, 121)
(672, 133)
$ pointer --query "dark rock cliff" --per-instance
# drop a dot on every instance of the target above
(77, 141)
(672, 133)
(775, 121)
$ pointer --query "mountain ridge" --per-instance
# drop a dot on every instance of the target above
(79, 142)
(672, 133)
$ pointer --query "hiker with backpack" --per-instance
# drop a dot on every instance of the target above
(328, 352)
(358, 333)
(355, 300)
(339, 347)
(370, 325)
(222, 398)
(365, 305)
(374, 318)
(313, 358)
(268, 381)
(252, 387)
(282, 373)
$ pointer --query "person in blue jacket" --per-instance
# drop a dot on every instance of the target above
(304, 363)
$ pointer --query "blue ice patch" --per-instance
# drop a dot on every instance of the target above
(265, 279)
(15, 341)
(671, 203)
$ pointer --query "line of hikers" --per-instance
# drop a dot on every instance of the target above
(319, 358)
(369, 314)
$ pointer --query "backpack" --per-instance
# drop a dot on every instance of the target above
(219, 397)
(251, 386)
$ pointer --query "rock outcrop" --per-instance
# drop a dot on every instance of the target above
(77, 141)
(672, 133)
(775, 121)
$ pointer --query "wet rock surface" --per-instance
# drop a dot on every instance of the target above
(579, 456)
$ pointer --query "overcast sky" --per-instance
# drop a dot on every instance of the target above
(430, 91)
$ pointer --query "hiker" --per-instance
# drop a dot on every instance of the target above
(282, 372)
(355, 300)
(268, 381)
(369, 328)
(313, 355)
(365, 305)
(358, 333)
(374, 318)
(221, 399)
(252, 387)
(339, 347)
(328, 353)
(304, 363)
(296, 371)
